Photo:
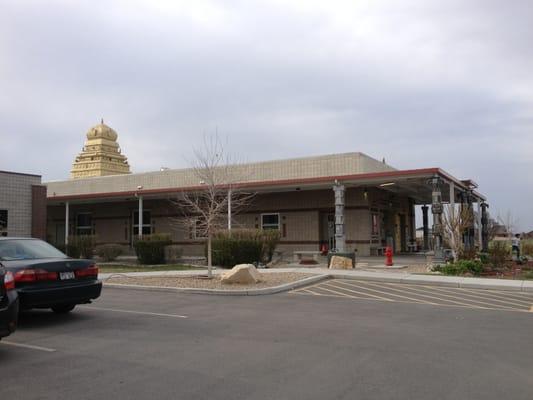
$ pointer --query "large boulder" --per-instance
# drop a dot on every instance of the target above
(242, 273)
(338, 262)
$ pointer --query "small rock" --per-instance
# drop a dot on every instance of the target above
(338, 262)
(242, 273)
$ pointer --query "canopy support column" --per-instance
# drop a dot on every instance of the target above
(67, 222)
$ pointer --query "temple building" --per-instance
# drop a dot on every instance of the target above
(346, 202)
(101, 155)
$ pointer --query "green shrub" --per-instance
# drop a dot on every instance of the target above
(71, 250)
(528, 275)
(172, 253)
(271, 239)
(527, 247)
(109, 252)
(461, 267)
(85, 244)
(243, 246)
(240, 246)
(498, 253)
(484, 258)
(151, 248)
(81, 246)
(467, 254)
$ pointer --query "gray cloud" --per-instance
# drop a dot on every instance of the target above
(422, 83)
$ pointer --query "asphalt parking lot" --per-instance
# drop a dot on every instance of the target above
(135, 344)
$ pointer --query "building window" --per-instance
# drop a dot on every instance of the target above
(269, 221)
(84, 223)
(147, 223)
(199, 230)
(3, 222)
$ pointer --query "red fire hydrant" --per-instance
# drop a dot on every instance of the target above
(388, 256)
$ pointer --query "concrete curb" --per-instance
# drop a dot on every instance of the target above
(319, 275)
(385, 267)
(246, 292)
(447, 281)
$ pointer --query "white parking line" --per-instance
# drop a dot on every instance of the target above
(135, 312)
(361, 293)
(27, 346)
(351, 284)
(416, 291)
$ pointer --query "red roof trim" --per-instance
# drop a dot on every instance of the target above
(284, 182)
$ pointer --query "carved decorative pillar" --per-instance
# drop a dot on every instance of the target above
(340, 237)
(425, 221)
(469, 236)
(479, 234)
(436, 210)
(484, 228)
(412, 222)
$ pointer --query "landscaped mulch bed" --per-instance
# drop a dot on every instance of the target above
(267, 280)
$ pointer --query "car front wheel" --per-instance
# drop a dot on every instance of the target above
(63, 308)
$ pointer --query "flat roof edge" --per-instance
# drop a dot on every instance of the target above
(286, 182)
(20, 173)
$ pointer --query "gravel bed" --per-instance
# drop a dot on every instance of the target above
(267, 280)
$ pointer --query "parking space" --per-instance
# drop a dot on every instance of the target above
(138, 344)
(421, 294)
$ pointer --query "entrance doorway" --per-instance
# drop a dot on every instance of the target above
(327, 230)
(60, 234)
(403, 233)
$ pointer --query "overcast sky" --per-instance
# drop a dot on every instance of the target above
(422, 83)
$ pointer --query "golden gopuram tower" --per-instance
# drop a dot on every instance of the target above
(100, 155)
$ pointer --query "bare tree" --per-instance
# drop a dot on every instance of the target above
(509, 221)
(219, 194)
(492, 229)
(454, 222)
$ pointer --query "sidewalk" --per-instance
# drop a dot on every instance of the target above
(377, 276)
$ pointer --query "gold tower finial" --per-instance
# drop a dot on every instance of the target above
(100, 155)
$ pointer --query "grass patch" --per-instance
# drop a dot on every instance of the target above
(116, 268)
(528, 275)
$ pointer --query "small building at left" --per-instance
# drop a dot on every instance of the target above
(22, 205)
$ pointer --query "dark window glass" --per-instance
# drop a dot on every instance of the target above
(3, 219)
(146, 218)
(147, 223)
(84, 224)
(199, 230)
(84, 220)
(270, 221)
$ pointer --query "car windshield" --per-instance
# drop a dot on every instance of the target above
(27, 249)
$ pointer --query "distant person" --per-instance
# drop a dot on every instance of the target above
(515, 243)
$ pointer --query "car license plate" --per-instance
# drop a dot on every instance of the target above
(66, 275)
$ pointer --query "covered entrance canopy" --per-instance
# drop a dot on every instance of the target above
(429, 186)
